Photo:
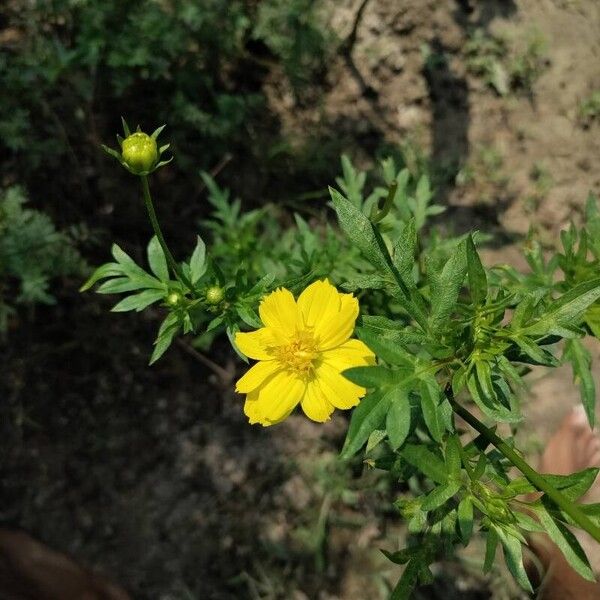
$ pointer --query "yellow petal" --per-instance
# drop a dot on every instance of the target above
(256, 376)
(278, 311)
(352, 353)
(332, 315)
(275, 400)
(256, 344)
(341, 392)
(252, 410)
(319, 300)
(315, 404)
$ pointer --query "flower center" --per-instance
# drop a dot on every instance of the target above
(300, 354)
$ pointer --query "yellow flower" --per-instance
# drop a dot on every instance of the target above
(302, 350)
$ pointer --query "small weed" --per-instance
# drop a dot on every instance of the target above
(589, 109)
(484, 171)
(506, 67)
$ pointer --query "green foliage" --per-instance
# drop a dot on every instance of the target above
(589, 109)
(32, 253)
(182, 61)
(450, 335)
(467, 344)
(504, 65)
(294, 32)
(485, 172)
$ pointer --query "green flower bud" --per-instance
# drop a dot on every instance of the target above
(215, 294)
(140, 152)
(173, 299)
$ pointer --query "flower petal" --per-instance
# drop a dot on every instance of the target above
(256, 376)
(330, 313)
(275, 400)
(341, 392)
(315, 404)
(256, 344)
(352, 353)
(278, 311)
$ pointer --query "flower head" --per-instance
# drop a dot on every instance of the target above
(140, 153)
(302, 350)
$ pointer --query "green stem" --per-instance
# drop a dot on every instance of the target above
(161, 238)
(533, 476)
(387, 206)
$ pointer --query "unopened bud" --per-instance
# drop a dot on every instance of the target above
(139, 152)
(214, 294)
(173, 299)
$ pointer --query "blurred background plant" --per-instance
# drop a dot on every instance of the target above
(589, 109)
(506, 64)
(32, 253)
(198, 65)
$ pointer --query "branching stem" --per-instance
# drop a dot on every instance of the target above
(568, 507)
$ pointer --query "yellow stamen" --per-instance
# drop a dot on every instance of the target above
(300, 354)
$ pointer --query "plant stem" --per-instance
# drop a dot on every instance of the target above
(533, 476)
(377, 216)
(161, 238)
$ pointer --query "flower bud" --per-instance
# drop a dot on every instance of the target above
(214, 294)
(173, 299)
(139, 152)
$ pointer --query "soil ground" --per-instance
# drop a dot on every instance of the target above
(152, 476)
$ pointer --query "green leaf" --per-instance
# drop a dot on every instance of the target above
(425, 460)
(446, 287)
(120, 285)
(363, 234)
(513, 556)
(430, 407)
(403, 255)
(369, 377)
(528, 523)
(368, 416)
(465, 519)
(139, 301)
(562, 536)
(401, 557)
(198, 261)
(102, 272)
(566, 311)
(157, 260)
(575, 485)
(365, 282)
(359, 230)
(491, 544)
(386, 349)
(484, 377)
(581, 362)
(440, 495)
(539, 356)
(397, 422)
(494, 410)
(476, 274)
(394, 331)
(453, 461)
(169, 327)
(375, 439)
(408, 581)
(248, 316)
(130, 268)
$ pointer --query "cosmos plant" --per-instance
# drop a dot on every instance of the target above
(431, 362)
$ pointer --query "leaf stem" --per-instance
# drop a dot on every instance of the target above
(161, 238)
(376, 215)
(568, 507)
